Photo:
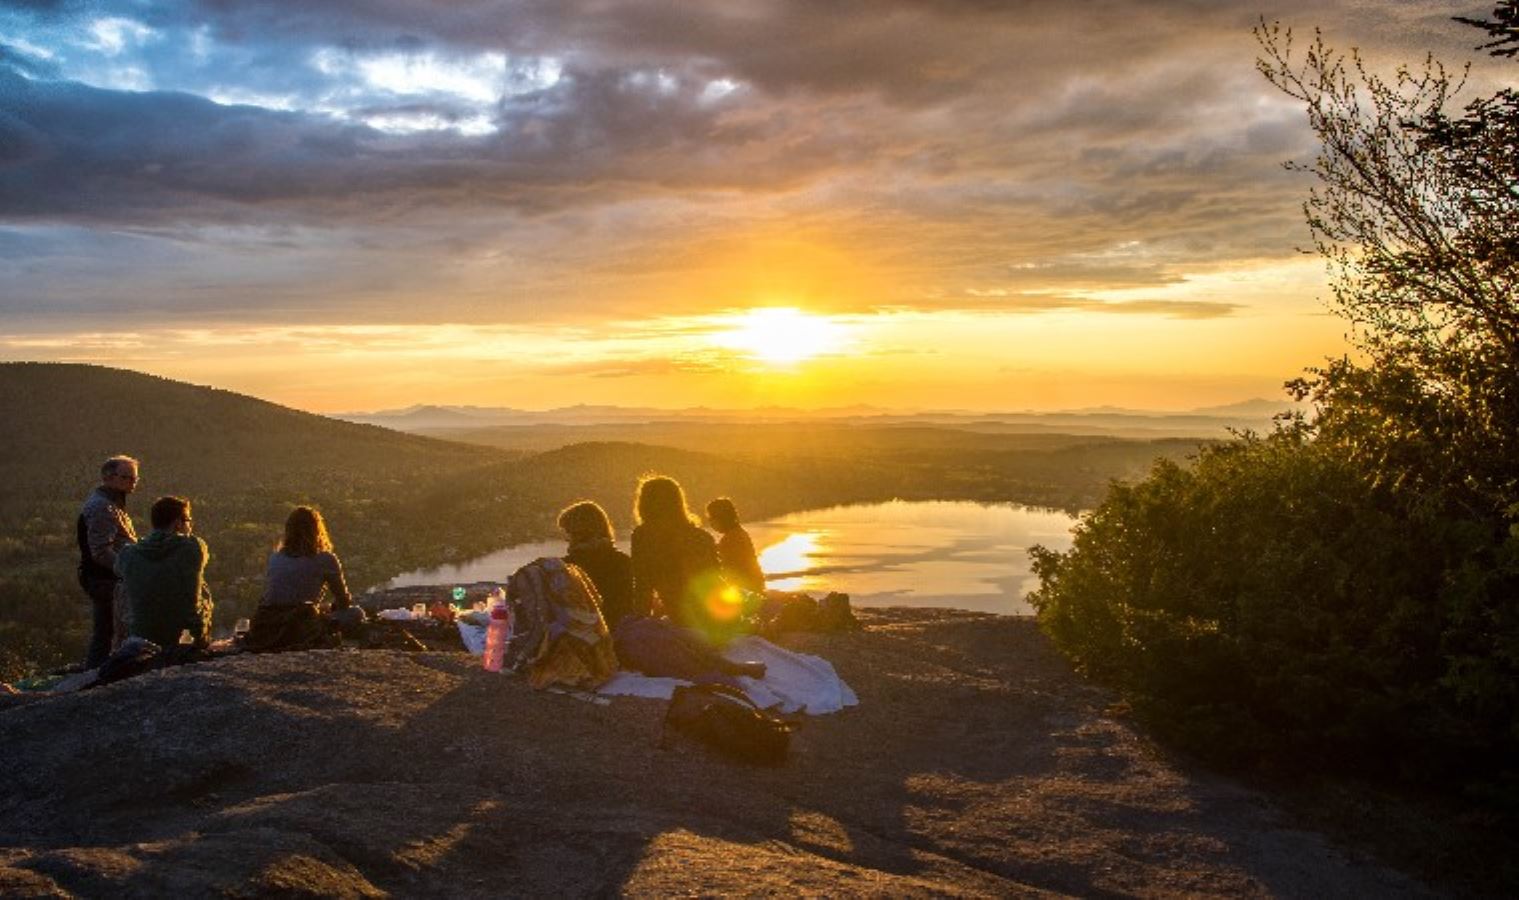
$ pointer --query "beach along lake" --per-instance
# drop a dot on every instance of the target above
(945, 554)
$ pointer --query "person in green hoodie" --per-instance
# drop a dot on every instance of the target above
(165, 578)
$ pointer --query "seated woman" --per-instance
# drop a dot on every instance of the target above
(735, 549)
(589, 532)
(675, 560)
(674, 563)
(301, 569)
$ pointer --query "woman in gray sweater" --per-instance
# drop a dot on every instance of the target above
(304, 564)
(300, 570)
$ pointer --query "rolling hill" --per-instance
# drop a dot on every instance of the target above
(394, 501)
(397, 502)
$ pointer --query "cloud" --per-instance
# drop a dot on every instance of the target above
(595, 157)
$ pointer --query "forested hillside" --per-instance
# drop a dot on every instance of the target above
(394, 501)
(398, 502)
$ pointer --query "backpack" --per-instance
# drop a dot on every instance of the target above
(558, 634)
(725, 719)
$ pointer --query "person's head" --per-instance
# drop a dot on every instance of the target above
(119, 473)
(171, 514)
(660, 500)
(585, 521)
(305, 533)
(722, 514)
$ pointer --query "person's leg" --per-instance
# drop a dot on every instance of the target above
(102, 596)
(709, 660)
(121, 611)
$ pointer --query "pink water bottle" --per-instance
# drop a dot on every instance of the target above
(495, 638)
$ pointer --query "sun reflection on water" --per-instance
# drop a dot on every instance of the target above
(792, 557)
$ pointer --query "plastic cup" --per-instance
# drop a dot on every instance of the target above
(242, 628)
(419, 610)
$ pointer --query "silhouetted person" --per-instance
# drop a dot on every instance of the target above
(103, 528)
(165, 577)
(644, 643)
(735, 549)
(589, 531)
(674, 559)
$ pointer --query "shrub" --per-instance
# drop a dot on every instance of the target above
(1270, 603)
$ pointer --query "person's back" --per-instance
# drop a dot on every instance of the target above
(735, 549)
(164, 576)
(740, 564)
(588, 530)
(678, 562)
(293, 580)
(300, 570)
(611, 571)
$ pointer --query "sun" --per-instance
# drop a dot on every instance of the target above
(782, 335)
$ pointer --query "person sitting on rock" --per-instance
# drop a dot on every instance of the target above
(589, 531)
(735, 549)
(675, 561)
(654, 646)
(165, 578)
(301, 570)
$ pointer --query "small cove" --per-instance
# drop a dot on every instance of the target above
(943, 553)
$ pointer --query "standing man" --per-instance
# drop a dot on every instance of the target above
(165, 578)
(103, 528)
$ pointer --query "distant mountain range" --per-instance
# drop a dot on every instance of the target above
(1211, 421)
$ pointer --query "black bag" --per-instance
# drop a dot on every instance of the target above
(724, 718)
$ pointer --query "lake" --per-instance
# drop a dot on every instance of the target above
(946, 554)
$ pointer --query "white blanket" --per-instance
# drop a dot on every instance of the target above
(793, 682)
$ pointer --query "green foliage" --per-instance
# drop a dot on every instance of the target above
(1270, 603)
(1345, 590)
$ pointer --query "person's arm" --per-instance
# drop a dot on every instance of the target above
(341, 599)
(643, 584)
(200, 621)
(107, 530)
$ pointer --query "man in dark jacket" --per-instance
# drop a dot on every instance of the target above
(103, 528)
(165, 578)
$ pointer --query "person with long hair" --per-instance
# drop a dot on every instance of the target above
(303, 565)
(301, 569)
(674, 567)
(675, 560)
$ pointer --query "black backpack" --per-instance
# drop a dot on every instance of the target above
(724, 718)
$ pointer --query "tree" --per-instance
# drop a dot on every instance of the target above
(1416, 212)
(1346, 589)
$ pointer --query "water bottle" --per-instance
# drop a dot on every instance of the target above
(495, 637)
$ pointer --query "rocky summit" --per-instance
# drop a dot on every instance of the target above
(976, 763)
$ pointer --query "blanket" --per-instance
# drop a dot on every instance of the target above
(793, 682)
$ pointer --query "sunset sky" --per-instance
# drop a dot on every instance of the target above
(915, 204)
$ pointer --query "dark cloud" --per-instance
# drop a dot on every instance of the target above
(77, 153)
(968, 148)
